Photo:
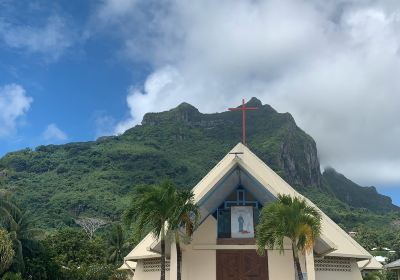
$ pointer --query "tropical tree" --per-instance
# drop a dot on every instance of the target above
(182, 222)
(150, 210)
(6, 251)
(12, 276)
(24, 237)
(91, 225)
(72, 248)
(7, 208)
(117, 244)
(289, 217)
(19, 226)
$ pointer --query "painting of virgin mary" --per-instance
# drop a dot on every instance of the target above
(242, 225)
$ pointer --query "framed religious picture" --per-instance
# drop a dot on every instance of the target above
(242, 225)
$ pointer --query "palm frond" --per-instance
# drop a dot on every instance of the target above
(289, 217)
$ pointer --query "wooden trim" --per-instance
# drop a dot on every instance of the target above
(223, 247)
(236, 241)
(230, 247)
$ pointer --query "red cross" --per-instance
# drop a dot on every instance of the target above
(243, 108)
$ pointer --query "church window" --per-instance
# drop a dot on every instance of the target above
(238, 215)
(154, 265)
(332, 264)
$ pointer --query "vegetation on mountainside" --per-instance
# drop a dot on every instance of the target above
(60, 183)
(352, 194)
(6, 251)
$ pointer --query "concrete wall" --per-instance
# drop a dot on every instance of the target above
(280, 266)
(354, 274)
(141, 275)
(201, 264)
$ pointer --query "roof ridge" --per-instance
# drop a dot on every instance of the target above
(331, 222)
(215, 167)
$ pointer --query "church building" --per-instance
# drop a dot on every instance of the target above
(230, 198)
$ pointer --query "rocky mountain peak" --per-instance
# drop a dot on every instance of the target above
(184, 112)
(254, 102)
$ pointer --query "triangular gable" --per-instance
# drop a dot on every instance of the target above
(142, 250)
(333, 241)
(128, 265)
(332, 235)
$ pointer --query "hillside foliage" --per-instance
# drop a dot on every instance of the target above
(58, 183)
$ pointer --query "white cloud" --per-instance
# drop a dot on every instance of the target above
(111, 10)
(14, 104)
(333, 64)
(54, 134)
(160, 88)
(50, 39)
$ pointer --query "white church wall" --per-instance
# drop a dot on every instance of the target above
(334, 268)
(201, 264)
(280, 266)
(149, 270)
(309, 264)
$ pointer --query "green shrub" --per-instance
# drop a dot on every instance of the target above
(6, 251)
(12, 276)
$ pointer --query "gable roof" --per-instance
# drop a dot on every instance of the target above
(265, 185)
(128, 265)
(393, 265)
(143, 250)
(371, 264)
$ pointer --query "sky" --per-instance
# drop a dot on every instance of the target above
(77, 70)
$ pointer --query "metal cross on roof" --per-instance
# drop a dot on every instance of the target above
(243, 108)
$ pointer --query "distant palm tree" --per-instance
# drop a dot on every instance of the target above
(7, 208)
(150, 209)
(182, 222)
(24, 237)
(6, 251)
(117, 244)
(292, 218)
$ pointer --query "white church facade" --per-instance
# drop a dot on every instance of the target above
(223, 247)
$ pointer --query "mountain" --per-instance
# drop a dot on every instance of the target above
(355, 195)
(60, 182)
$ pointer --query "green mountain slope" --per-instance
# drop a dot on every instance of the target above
(95, 178)
(355, 195)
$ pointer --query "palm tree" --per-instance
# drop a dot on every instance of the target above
(292, 218)
(117, 244)
(182, 222)
(24, 237)
(7, 208)
(150, 209)
(6, 251)
(19, 226)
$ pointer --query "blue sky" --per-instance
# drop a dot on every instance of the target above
(76, 70)
(73, 83)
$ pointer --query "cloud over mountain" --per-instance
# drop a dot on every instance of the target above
(333, 64)
(14, 104)
(53, 133)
